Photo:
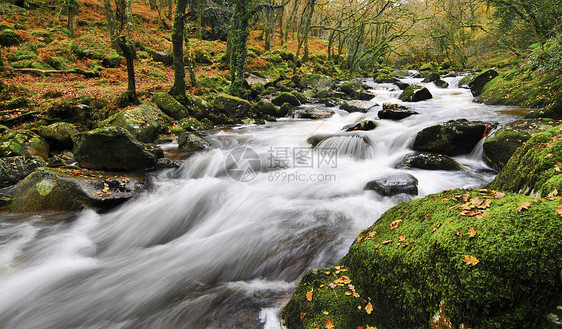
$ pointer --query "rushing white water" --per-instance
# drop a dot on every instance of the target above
(203, 250)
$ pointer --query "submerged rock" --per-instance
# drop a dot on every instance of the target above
(394, 185)
(14, 169)
(315, 113)
(535, 167)
(436, 79)
(353, 145)
(415, 93)
(49, 189)
(477, 83)
(113, 149)
(363, 125)
(428, 259)
(502, 143)
(428, 161)
(395, 112)
(401, 85)
(451, 138)
(349, 107)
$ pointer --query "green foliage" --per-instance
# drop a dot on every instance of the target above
(548, 57)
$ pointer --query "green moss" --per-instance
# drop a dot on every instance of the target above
(534, 163)
(44, 187)
(411, 263)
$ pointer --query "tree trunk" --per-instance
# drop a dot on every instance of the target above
(239, 50)
(128, 49)
(199, 19)
(178, 88)
(190, 62)
(268, 27)
(71, 6)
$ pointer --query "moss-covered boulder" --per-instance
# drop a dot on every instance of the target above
(142, 122)
(429, 161)
(59, 134)
(262, 108)
(9, 37)
(463, 258)
(535, 167)
(502, 143)
(316, 82)
(49, 189)
(113, 60)
(415, 93)
(23, 142)
(286, 97)
(113, 148)
(451, 138)
(395, 112)
(477, 83)
(14, 169)
(231, 106)
(382, 77)
(170, 106)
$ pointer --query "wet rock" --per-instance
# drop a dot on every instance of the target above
(63, 159)
(50, 189)
(355, 90)
(393, 185)
(363, 125)
(349, 107)
(395, 112)
(170, 106)
(231, 106)
(23, 142)
(286, 97)
(429, 161)
(415, 93)
(401, 85)
(436, 79)
(311, 113)
(451, 138)
(59, 134)
(143, 122)
(192, 142)
(477, 83)
(384, 78)
(113, 148)
(14, 169)
(167, 163)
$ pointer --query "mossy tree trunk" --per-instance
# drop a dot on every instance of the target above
(71, 6)
(190, 62)
(238, 47)
(199, 19)
(178, 88)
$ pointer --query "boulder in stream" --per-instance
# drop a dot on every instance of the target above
(170, 106)
(316, 112)
(354, 145)
(50, 189)
(429, 161)
(394, 185)
(286, 97)
(415, 93)
(363, 125)
(477, 83)
(192, 142)
(395, 112)
(142, 122)
(451, 138)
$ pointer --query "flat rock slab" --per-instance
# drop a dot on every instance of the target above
(50, 189)
(394, 185)
(395, 112)
(312, 113)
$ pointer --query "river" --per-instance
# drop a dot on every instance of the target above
(214, 246)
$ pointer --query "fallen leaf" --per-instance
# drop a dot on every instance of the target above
(429, 215)
(395, 224)
(484, 204)
(444, 199)
(436, 227)
(470, 260)
(472, 232)
(549, 155)
(559, 210)
(553, 193)
(369, 308)
(377, 246)
(465, 197)
(459, 234)
(309, 295)
(524, 206)
(387, 242)
(303, 315)
(348, 293)
(329, 324)
(325, 312)
(402, 237)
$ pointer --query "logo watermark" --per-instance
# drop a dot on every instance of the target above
(243, 164)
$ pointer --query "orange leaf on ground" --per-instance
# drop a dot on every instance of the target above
(524, 206)
(559, 210)
(470, 260)
(309, 295)
(395, 224)
(303, 315)
(329, 324)
(369, 308)
(472, 232)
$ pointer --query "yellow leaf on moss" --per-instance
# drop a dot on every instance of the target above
(329, 324)
(470, 260)
(369, 308)
(472, 232)
(524, 206)
(309, 295)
